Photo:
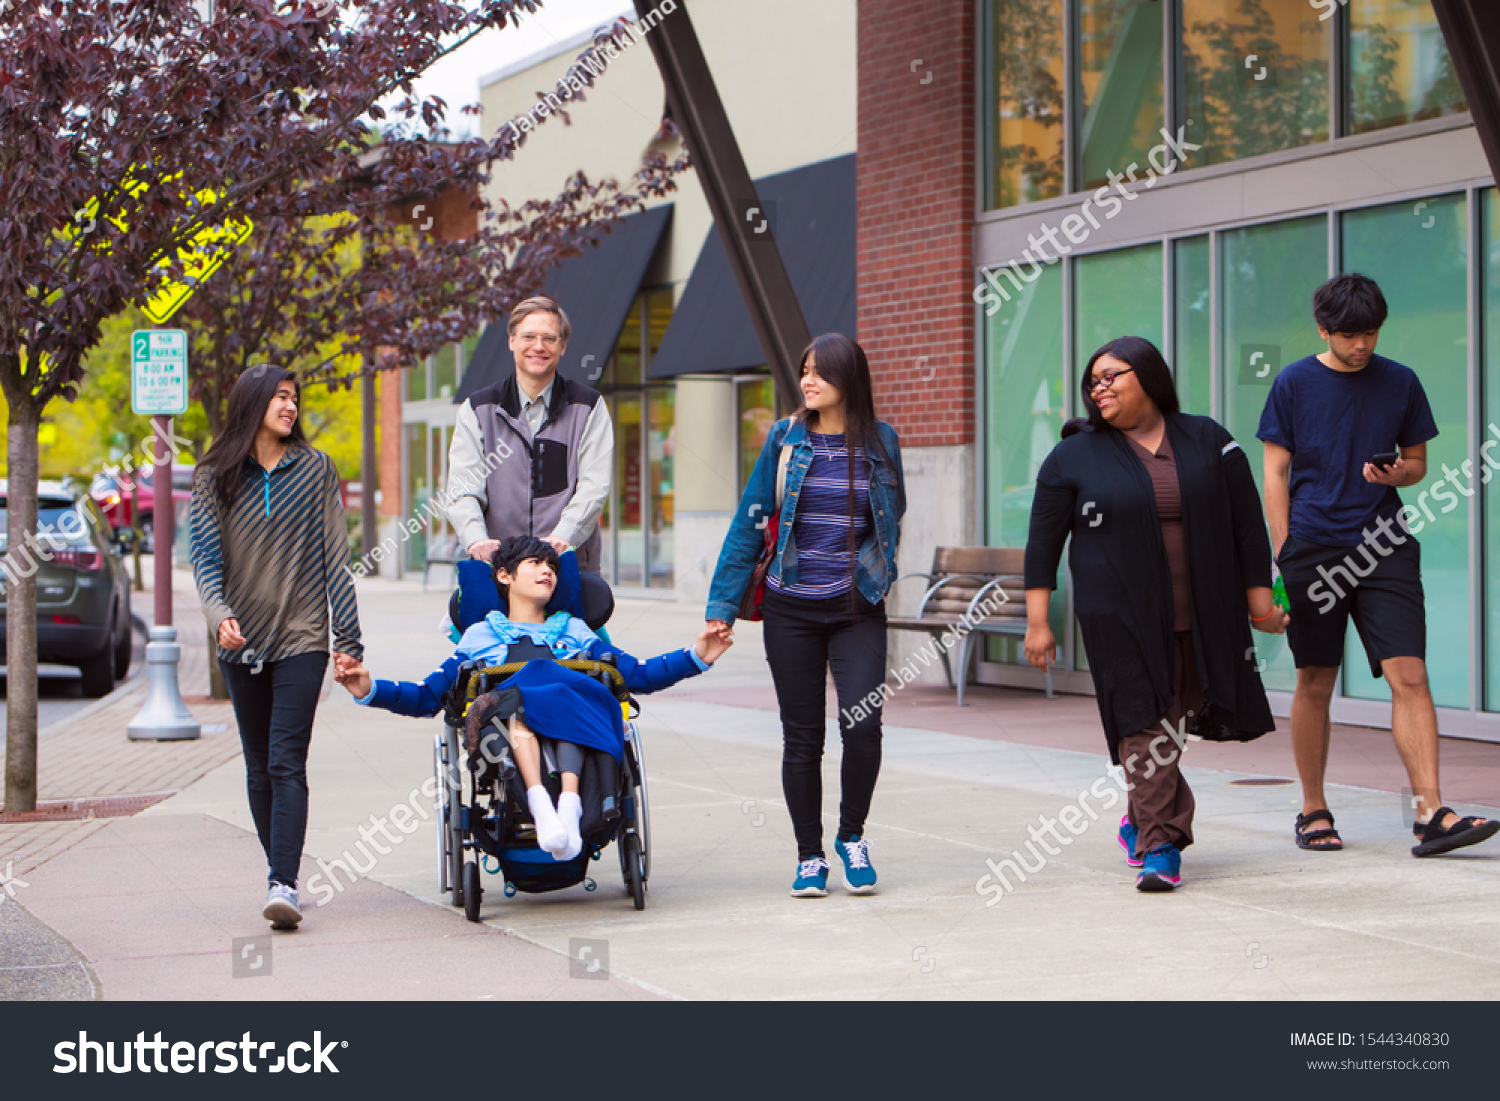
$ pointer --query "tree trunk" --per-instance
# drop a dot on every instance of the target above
(21, 562)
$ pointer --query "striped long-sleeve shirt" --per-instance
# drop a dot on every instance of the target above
(278, 561)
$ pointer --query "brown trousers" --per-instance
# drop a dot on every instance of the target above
(1160, 803)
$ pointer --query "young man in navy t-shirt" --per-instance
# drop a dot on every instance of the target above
(1344, 551)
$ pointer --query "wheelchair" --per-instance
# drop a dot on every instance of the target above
(483, 819)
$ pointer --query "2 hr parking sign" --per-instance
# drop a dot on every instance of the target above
(158, 372)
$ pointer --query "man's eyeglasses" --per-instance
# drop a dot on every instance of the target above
(551, 340)
(1108, 378)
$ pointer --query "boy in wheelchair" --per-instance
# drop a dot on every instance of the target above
(573, 710)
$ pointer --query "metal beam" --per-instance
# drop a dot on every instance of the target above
(748, 235)
(1472, 30)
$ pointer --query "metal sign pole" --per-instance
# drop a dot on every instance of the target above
(159, 382)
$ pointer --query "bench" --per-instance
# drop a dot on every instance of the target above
(982, 586)
(446, 553)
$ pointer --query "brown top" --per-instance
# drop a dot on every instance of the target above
(1162, 467)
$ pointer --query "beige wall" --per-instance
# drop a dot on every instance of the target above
(785, 70)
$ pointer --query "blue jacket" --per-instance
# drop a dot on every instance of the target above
(482, 643)
(875, 569)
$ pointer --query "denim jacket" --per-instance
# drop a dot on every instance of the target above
(875, 568)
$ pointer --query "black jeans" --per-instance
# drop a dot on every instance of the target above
(274, 709)
(804, 639)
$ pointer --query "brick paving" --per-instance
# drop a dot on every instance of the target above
(88, 754)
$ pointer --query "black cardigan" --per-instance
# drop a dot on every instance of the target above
(1093, 487)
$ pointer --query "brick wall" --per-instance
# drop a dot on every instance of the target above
(915, 196)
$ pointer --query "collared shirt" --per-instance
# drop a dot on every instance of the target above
(534, 410)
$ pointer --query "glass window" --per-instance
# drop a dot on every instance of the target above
(1119, 94)
(1192, 350)
(416, 382)
(1418, 254)
(628, 348)
(629, 477)
(1399, 66)
(659, 443)
(418, 490)
(1115, 294)
(1024, 396)
(445, 371)
(1267, 274)
(756, 407)
(1025, 101)
(658, 317)
(1254, 77)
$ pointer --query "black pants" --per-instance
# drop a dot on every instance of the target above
(274, 709)
(804, 639)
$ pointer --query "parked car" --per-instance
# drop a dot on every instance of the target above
(82, 588)
(114, 494)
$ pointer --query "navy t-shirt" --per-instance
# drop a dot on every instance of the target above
(1333, 422)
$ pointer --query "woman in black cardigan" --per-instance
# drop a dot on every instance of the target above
(1171, 567)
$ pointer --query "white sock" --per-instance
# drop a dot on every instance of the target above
(550, 832)
(570, 811)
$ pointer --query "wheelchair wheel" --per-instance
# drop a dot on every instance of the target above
(447, 802)
(642, 803)
(473, 892)
(631, 858)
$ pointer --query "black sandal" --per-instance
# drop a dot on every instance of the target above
(1466, 831)
(1305, 837)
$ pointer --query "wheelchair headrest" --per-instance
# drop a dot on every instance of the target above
(585, 596)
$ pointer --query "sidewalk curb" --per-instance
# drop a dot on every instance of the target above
(126, 686)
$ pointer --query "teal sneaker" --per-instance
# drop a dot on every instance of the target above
(859, 875)
(1127, 842)
(812, 878)
(1162, 870)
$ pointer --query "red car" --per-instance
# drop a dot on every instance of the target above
(113, 494)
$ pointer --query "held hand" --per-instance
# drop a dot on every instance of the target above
(484, 550)
(1040, 646)
(229, 634)
(559, 545)
(714, 640)
(1393, 475)
(1275, 623)
(352, 674)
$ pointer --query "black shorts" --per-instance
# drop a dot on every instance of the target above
(1328, 585)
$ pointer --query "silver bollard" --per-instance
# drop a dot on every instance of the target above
(164, 717)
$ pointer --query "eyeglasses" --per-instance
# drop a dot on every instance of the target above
(551, 340)
(1108, 378)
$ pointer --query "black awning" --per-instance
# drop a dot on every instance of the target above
(595, 289)
(812, 214)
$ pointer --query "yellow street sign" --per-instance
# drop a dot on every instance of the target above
(199, 258)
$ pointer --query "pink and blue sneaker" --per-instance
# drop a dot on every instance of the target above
(1161, 870)
(1127, 842)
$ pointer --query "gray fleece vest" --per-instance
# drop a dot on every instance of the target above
(528, 491)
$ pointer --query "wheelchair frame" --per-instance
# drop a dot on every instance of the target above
(456, 797)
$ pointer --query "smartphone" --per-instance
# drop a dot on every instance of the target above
(1385, 459)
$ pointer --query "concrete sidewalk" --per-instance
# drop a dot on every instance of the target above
(1256, 918)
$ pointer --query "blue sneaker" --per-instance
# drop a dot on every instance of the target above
(1162, 870)
(812, 878)
(1127, 842)
(859, 876)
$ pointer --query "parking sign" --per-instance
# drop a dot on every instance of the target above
(158, 372)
